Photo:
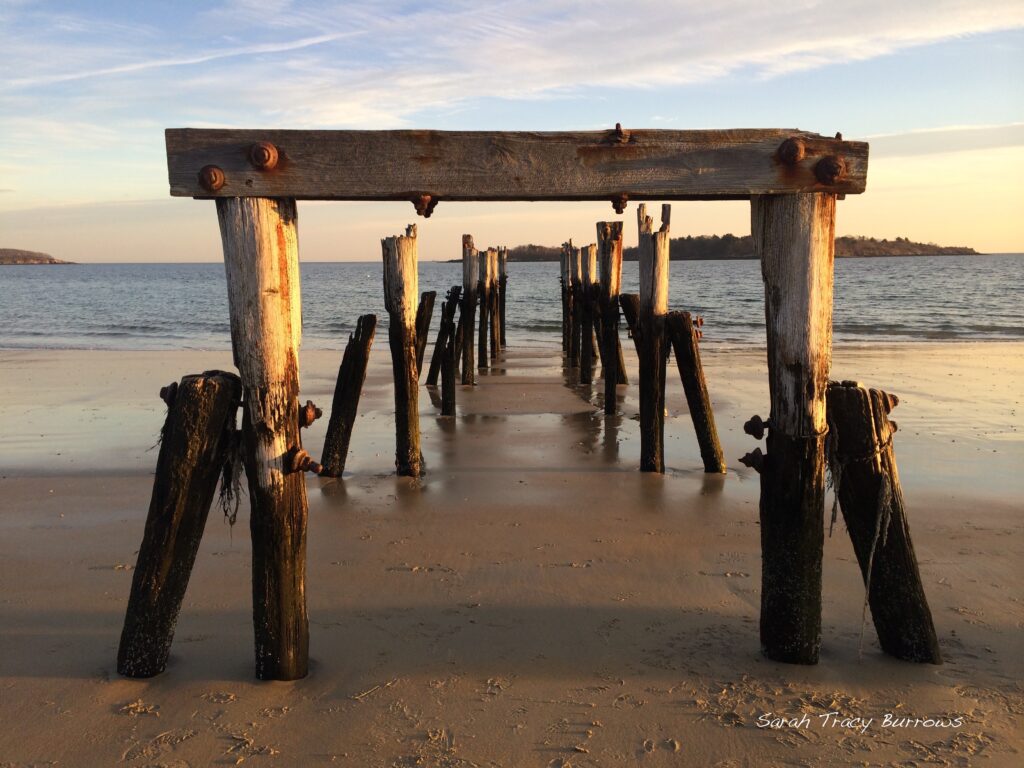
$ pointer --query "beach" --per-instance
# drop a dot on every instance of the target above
(534, 600)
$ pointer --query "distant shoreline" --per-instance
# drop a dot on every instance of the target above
(15, 256)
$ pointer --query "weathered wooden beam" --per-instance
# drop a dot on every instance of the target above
(194, 445)
(470, 282)
(428, 166)
(261, 258)
(609, 257)
(794, 236)
(401, 287)
(683, 336)
(424, 313)
(351, 375)
(653, 247)
(867, 483)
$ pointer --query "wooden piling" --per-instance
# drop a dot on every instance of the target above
(502, 288)
(867, 484)
(445, 333)
(351, 376)
(653, 248)
(588, 285)
(448, 376)
(401, 285)
(794, 236)
(483, 334)
(630, 303)
(261, 261)
(683, 336)
(609, 256)
(470, 281)
(424, 313)
(564, 282)
(495, 303)
(575, 305)
(197, 435)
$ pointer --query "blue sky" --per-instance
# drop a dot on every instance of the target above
(86, 90)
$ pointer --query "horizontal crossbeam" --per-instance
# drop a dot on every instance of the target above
(428, 166)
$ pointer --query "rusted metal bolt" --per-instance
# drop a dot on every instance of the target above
(698, 321)
(300, 461)
(894, 426)
(621, 136)
(263, 155)
(619, 202)
(754, 460)
(791, 151)
(308, 414)
(756, 426)
(169, 393)
(424, 205)
(830, 169)
(211, 178)
(892, 401)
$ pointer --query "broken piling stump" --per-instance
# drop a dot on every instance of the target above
(867, 485)
(401, 284)
(683, 336)
(588, 283)
(424, 313)
(502, 286)
(197, 437)
(470, 281)
(351, 376)
(494, 310)
(445, 332)
(483, 332)
(653, 249)
(630, 303)
(576, 300)
(609, 256)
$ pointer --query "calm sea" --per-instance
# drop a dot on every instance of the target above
(184, 306)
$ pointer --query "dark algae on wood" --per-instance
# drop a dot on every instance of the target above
(197, 436)
(653, 348)
(862, 462)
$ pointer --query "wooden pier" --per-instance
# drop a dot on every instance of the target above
(792, 179)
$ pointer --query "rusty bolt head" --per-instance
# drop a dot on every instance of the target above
(211, 178)
(893, 426)
(619, 202)
(263, 155)
(424, 205)
(755, 427)
(754, 460)
(169, 393)
(791, 151)
(300, 461)
(891, 401)
(309, 413)
(830, 169)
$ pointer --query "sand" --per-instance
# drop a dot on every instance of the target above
(533, 601)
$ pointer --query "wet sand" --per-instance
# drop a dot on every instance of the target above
(533, 601)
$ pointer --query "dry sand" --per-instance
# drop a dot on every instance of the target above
(533, 601)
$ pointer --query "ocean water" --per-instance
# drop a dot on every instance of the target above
(184, 306)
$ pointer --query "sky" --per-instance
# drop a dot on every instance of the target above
(87, 88)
